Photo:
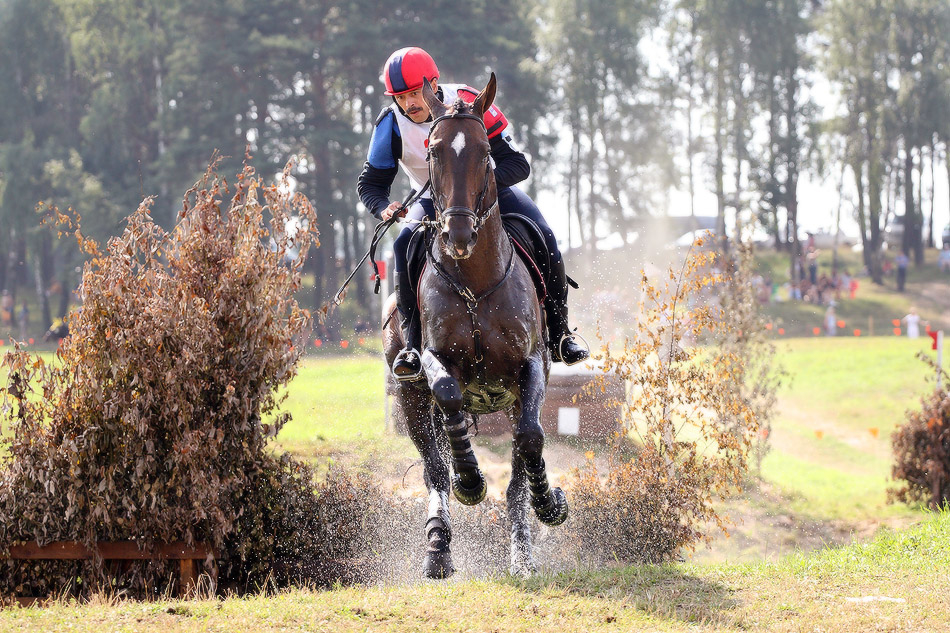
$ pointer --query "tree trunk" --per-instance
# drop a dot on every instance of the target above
(720, 151)
(933, 185)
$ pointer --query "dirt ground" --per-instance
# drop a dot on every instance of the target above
(763, 528)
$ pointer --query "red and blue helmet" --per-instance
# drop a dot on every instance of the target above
(407, 68)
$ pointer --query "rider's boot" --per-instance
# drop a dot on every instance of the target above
(563, 344)
(407, 365)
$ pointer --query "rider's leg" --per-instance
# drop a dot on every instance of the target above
(407, 364)
(564, 346)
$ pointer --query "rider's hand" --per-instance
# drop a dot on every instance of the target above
(394, 208)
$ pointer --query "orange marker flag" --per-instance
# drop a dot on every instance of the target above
(896, 322)
(857, 332)
(816, 331)
(841, 323)
(819, 434)
(873, 431)
(781, 331)
(897, 331)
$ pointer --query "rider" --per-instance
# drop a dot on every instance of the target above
(400, 136)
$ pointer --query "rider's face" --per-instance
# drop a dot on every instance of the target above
(414, 105)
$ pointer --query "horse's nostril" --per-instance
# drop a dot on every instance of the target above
(460, 250)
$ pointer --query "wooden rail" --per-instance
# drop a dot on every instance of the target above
(186, 555)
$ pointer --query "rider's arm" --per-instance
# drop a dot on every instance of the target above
(511, 166)
(380, 168)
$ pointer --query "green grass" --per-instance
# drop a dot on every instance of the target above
(843, 389)
(335, 399)
(897, 582)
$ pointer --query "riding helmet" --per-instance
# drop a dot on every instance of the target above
(407, 68)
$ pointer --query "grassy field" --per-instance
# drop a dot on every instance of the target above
(822, 486)
(897, 582)
(831, 437)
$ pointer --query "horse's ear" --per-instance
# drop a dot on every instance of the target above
(486, 97)
(436, 107)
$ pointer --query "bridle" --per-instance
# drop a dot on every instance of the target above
(443, 214)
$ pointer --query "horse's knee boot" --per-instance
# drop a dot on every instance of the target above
(445, 389)
(550, 505)
(468, 482)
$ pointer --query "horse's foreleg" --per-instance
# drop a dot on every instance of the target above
(550, 505)
(522, 563)
(468, 482)
(438, 528)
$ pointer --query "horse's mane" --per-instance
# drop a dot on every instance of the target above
(461, 106)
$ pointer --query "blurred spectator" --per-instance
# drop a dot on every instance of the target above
(831, 320)
(812, 259)
(6, 308)
(23, 319)
(943, 259)
(912, 319)
(902, 261)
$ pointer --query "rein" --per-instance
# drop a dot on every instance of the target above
(378, 234)
(470, 298)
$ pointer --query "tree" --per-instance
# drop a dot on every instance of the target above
(599, 76)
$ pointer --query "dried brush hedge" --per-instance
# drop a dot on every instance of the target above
(921, 448)
(700, 381)
(150, 426)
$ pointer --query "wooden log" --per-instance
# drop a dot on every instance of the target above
(187, 577)
(122, 550)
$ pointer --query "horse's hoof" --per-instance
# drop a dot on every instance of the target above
(438, 563)
(473, 494)
(522, 569)
(522, 565)
(554, 511)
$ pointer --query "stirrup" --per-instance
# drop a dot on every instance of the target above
(560, 348)
(404, 356)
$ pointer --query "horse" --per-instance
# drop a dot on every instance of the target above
(483, 344)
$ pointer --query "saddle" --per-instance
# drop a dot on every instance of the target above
(526, 238)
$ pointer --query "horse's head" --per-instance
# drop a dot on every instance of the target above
(460, 170)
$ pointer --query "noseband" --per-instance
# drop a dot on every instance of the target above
(443, 214)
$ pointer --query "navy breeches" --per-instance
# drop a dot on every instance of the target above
(510, 200)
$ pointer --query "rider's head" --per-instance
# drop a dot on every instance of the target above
(403, 74)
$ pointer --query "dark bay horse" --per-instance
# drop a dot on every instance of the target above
(483, 346)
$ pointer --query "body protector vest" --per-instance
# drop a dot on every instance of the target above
(415, 135)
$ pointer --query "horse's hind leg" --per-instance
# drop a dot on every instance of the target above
(438, 528)
(468, 482)
(522, 563)
(550, 505)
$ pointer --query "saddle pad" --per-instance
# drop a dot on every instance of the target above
(526, 237)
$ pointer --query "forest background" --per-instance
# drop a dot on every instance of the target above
(629, 110)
